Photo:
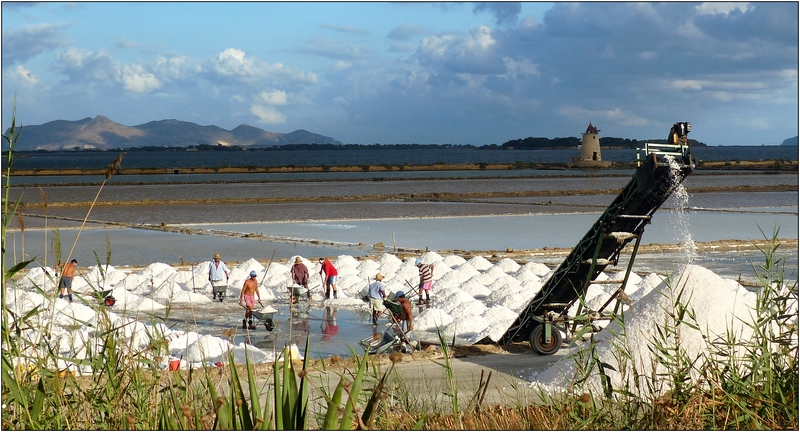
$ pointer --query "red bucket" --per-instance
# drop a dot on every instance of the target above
(174, 365)
(109, 301)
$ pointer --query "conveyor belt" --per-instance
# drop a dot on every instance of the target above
(657, 177)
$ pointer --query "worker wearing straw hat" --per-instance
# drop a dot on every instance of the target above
(300, 277)
(216, 270)
(377, 292)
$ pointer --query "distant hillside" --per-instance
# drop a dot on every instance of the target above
(790, 142)
(103, 134)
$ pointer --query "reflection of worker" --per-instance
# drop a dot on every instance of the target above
(406, 317)
(216, 270)
(377, 292)
(250, 287)
(328, 326)
(299, 277)
(67, 274)
(329, 275)
(300, 326)
(425, 281)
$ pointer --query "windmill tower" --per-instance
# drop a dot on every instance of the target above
(590, 150)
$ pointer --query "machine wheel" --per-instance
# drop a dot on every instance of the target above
(540, 345)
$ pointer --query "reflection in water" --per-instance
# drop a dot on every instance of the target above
(329, 327)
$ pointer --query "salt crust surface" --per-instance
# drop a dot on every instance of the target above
(473, 299)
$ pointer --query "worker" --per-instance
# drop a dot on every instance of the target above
(425, 281)
(249, 288)
(67, 274)
(406, 318)
(217, 269)
(299, 277)
(377, 292)
(329, 274)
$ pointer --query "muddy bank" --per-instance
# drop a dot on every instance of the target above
(407, 197)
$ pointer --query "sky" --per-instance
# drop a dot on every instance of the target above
(411, 72)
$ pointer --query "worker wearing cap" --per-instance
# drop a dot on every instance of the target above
(249, 289)
(216, 270)
(406, 318)
(377, 292)
(67, 274)
(425, 281)
(329, 274)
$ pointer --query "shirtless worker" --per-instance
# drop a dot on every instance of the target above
(67, 274)
(250, 287)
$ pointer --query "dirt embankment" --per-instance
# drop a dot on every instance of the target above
(768, 165)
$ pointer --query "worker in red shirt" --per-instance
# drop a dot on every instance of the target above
(329, 274)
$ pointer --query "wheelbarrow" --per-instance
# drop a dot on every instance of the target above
(105, 297)
(264, 316)
(219, 291)
(298, 291)
(388, 341)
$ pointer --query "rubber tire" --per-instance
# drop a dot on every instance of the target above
(538, 340)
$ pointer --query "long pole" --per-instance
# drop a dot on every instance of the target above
(267, 269)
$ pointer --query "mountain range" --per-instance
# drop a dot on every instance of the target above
(101, 133)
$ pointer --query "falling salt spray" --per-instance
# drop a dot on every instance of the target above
(679, 203)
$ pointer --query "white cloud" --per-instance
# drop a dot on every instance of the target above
(176, 67)
(615, 115)
(474, 52)
(687, 84)
(718, 84)
(268, 114)
(275, 97)
(722, 8)
(342, 65)
(232, 62)
(25, 75)
(137, 80)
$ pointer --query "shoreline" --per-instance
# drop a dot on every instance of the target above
(766, 165)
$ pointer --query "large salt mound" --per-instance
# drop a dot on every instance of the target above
(475, 289)
(480, 263)
(538, 269)
(389, 264)
(719, 307)
(500, 319)
(453, 261)
(430, 258)
(39, 277)
(369, 269)
(507, 265)
(432, 318)
(487, 277)
(346, 264)
(241, 273)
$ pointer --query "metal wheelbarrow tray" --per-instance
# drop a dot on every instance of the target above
(264, 316)
(219, 291)
(381, 345)
(298, 291)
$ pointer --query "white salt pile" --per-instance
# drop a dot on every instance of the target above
(720, 306)
(472, 300)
